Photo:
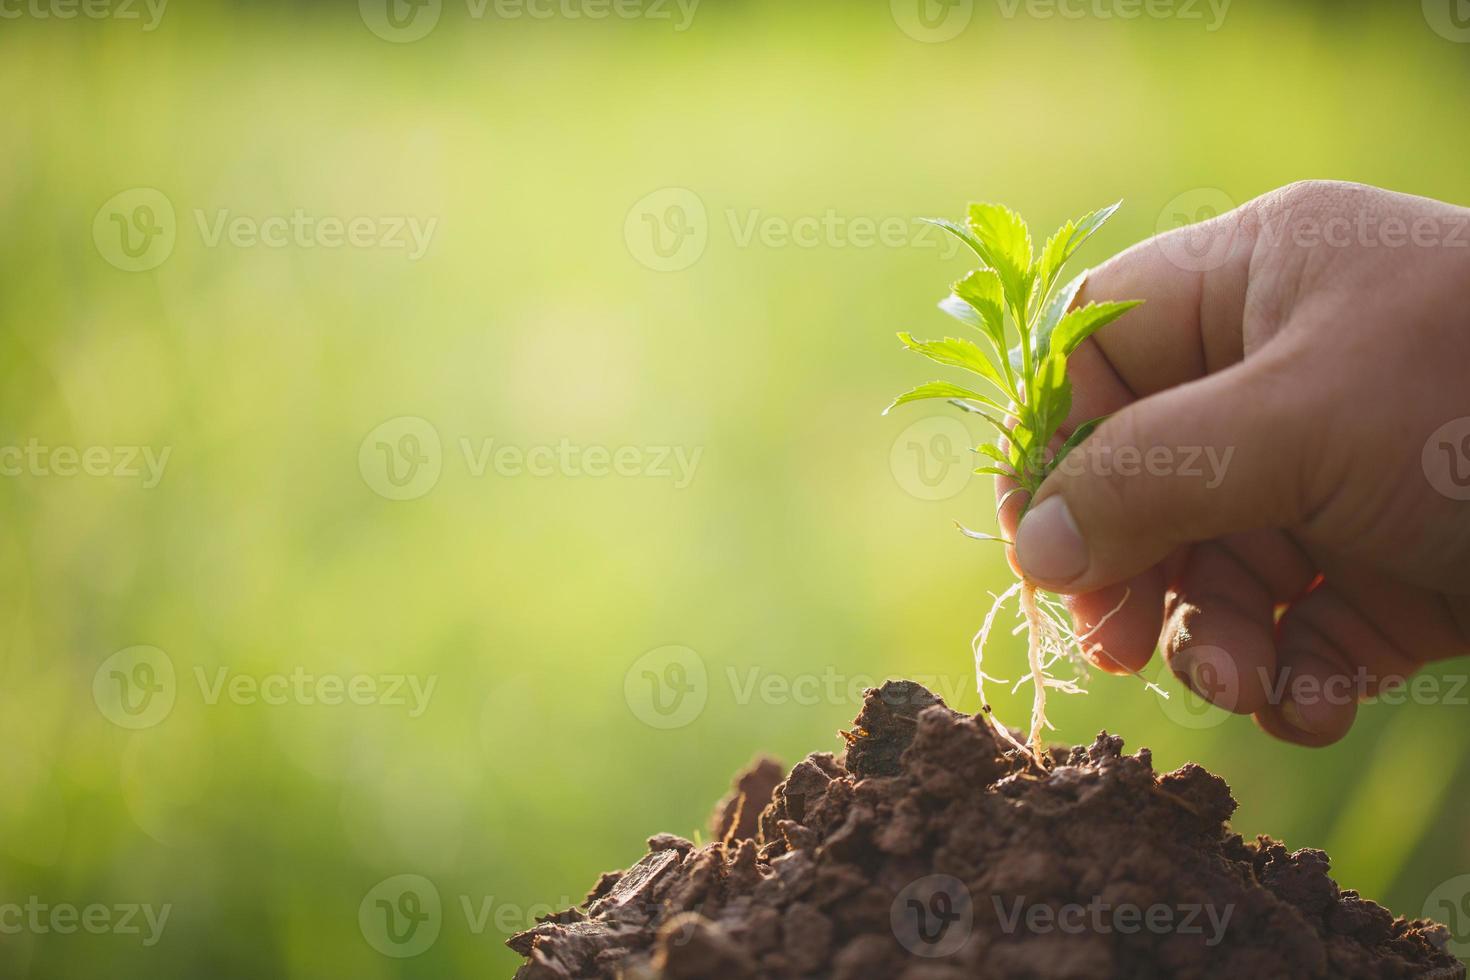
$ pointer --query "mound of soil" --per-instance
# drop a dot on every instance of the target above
(929, 851)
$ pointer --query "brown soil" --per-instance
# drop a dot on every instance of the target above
(929, 852)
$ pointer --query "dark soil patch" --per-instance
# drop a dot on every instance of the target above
(929, 852)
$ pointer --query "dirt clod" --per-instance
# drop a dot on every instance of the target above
(930, 851)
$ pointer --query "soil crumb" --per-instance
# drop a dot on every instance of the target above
(930, 851)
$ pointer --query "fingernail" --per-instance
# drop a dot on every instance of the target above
(1292, 712)
(1049, 547)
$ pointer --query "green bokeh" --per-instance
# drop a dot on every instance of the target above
(796, 551)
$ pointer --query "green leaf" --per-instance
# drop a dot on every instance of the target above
(963, 312)
(1065, 243)
(1056, 308)
(944, 389)
(1021, 452)
(993, 453)
(958, 352)
(1050, 396)
(959, 232)
(982, 292)
(1082, 323)
(965, 406)
(1053, 255)
(933, 389)
(1006, 242)
(1078, 436)
(1087, 225)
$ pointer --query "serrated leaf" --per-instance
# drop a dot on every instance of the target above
(961, 353)
(1065, 243)
(1006, 240)
(983, 292)
(1082, 323)
(993, 453)
(1089, 224)
(1053, 255)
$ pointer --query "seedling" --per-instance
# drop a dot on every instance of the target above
(1026, 398)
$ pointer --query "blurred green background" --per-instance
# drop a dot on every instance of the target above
(562, 168)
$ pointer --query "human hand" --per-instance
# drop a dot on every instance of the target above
(1282, 486)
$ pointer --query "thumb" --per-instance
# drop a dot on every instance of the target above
(1221, 454)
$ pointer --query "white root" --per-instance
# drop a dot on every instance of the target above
(978, 646)
(1050, 639)
(1036, 642)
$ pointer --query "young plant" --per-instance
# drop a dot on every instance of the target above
(1025, 397)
